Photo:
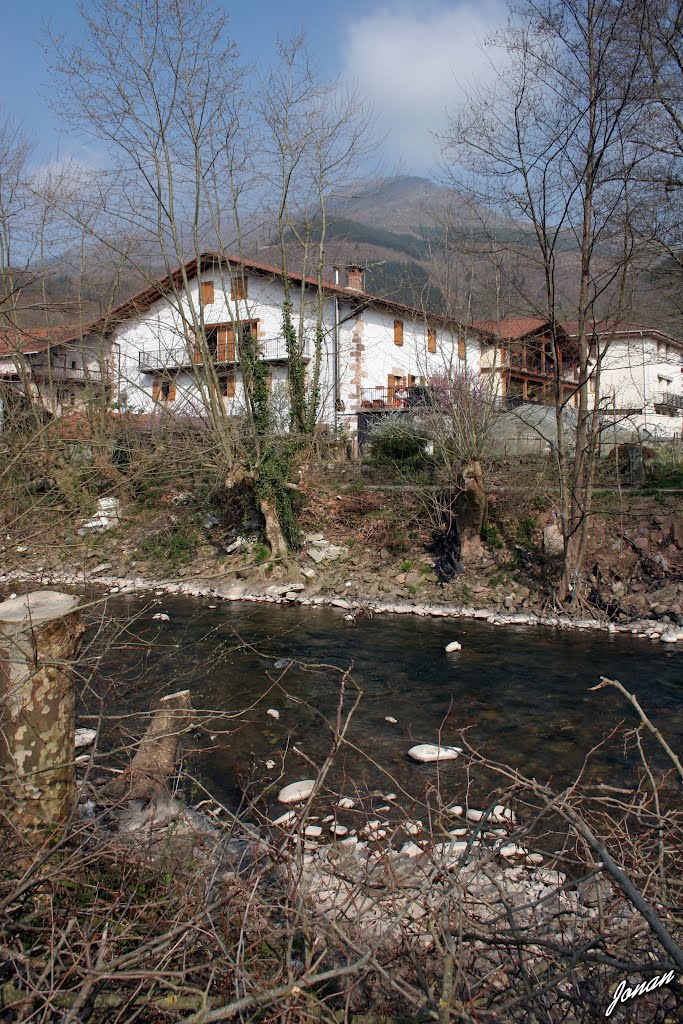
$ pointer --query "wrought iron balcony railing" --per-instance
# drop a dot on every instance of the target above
(80, 374)
(269, 349)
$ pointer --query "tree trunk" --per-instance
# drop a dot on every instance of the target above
(155, 759)
(274, 534)
(470, 511)
(40, 635)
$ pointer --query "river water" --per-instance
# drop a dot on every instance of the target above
(522, 693)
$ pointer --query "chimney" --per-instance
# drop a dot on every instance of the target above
(355, 273)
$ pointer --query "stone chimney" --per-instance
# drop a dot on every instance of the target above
(355, 274)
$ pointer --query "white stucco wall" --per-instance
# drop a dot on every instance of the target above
(636, 371)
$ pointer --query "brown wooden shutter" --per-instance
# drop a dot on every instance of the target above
(461, 348)
(171, 390)
(230, 344)
(222, 344)
(431, 339)
(207, 292)
(231, 384)
(155, 390)
(398, 332)
(197, 351)
(239, 287)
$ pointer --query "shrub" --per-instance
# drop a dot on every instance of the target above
(172, 547)
(397, 440)
(491, 535)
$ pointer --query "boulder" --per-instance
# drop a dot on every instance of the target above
(553, 542)
(428, 752)
(84, 737)
(296, 792)
(453, 646)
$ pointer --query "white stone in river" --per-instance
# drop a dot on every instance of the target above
(296, 791)
(534, 858)
(284, 818)
(273, 713)
(328, 819)
(162, 617)
(426, 752)
(501, 814)
(458, 832)
(474, 815)
(339, 830)
(84, 737)
(270, 765)
(351, 841)
(410, 850)
(391, 720)
(453, 646)
(374, 836)
(512, 850)
(312, 831)
(456, 811)
(390, 796)
(413, 828)
(346, 802)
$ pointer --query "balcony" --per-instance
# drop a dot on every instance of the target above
(78, 374)
(667, 404)
(271, 350)
(398, 397)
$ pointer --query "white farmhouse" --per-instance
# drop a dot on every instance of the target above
(373, 351)
(635, 372)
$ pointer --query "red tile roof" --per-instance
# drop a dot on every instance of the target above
(31, 340)
(511, 328)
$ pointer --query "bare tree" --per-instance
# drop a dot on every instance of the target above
(553, 145)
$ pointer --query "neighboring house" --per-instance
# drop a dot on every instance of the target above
(56, 367)
(636, 372)
(373, 350)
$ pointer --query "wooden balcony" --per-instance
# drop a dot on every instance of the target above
(271, 350)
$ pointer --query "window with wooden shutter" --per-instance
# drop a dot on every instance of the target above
(431, 339)
(155, 390)
(207, 292)
(171, 390)
(398, 332)
(227, 384)
(239, 287)
(461, 348)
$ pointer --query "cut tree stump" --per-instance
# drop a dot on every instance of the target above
(40, 636)
(155, 759)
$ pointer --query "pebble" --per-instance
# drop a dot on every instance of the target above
(270, 765)
(159, 617)
(339, 830)
(456, 811)
(328, 819)
(413, 828)
(453, 646)
(313, 831)
(284, 818)
(534, 858)
(512, 850)
(474, 815)
(295, 792)
(346, 803)
(410, 850)
(273, 713)
(390, 720)
(84, 737)
(427, 752)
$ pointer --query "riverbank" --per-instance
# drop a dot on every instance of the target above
(296, 594)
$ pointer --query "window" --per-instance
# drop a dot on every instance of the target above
(73, 364)
(220, 340)
(398, 332)
(163, 389)
(226, 384)
(461, 348)
(207, 293)
(239, 287)
(431, 339)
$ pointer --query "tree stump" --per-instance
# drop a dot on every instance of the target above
(155, 759)
(471, 508)
(40, 635)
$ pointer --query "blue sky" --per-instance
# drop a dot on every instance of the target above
(411, 63)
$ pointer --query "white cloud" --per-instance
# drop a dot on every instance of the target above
(413, 64)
